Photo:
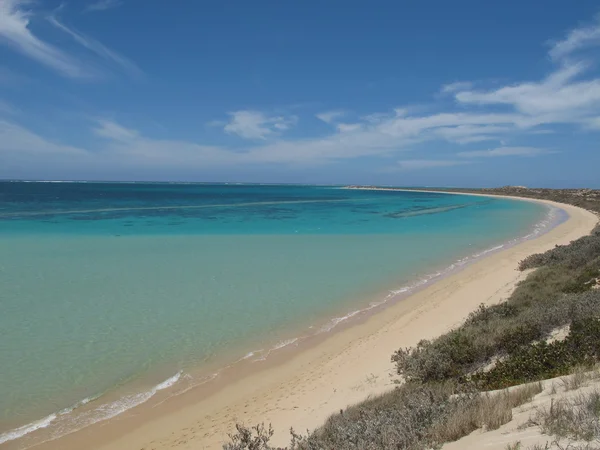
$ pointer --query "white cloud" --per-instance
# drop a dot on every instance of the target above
(330, 116)
(505, 151)
(414, 164)
(375, 118)
(468, 133)
(112, 130)
(348, 127)
(256, 125)
(14, 31)
(16, 140)
(558, 98)
(564, 96)
(594, 123)
(457, 86)
(567, 96)
(98, 48)
(103, 5)
(577, 39)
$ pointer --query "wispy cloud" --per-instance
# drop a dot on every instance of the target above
(564, 96)
(17, 140)
(256, 125)
(330, 116)
(15, 32)
(557, 98)
(457, 86)
(417, 164)
(568, 96)
(576, 39)
(15, 18)
(348, 127)
(111, 130)
(98, 48)
(103, 5)
(505, 151)
(594, 123)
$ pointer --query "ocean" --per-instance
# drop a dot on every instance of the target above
(113, 292)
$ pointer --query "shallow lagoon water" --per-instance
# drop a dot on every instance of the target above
(106, 284)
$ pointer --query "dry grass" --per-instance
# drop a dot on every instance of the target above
(577, 419)
(576, 380)
(580, 377)
(412, 417)
(524, 394)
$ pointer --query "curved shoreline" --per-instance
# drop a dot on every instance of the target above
(353, 361)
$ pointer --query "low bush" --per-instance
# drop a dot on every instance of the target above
(581, 348)
(573, 255)
(528, 316)
(255, 438)
(411, 417)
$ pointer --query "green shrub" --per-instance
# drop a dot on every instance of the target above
(502, 330)
(541, 360)
(255, 438)
(573, 255)
(536, 362)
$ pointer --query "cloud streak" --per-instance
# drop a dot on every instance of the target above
(504, 151)
(256, 125)
(576, 39)
(15, 21)
(454, 87)
(98, 48)
(417, 164)
(330, 116)
(15, 32)
(567, 96)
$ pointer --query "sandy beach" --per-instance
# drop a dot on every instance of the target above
(302, 389)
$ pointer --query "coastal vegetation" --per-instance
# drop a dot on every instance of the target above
(445, 393)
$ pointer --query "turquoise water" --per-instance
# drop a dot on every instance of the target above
(105, 284)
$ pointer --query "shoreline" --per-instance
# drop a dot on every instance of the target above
(261, 395)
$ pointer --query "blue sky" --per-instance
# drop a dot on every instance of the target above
(463, 93)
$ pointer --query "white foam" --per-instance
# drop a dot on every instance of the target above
(167, 383)
(282, 344)
(276, 347)
(80, 403)
(26, 429)
(84, 419)
(337, 320)
(250, 355)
